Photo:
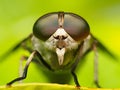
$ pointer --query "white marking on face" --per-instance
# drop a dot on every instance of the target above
(60, 54)
(60, 42)
(60, 32)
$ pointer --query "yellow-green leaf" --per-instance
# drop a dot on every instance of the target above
(42, 86)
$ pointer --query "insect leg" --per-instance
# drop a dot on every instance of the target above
(25, 70)
(74, 75)
(21, 66)
(75, 78)
(98, 45)
(44, 62)
(79, 54)
(96, 65)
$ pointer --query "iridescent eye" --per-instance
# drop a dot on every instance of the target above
(45, 26)
(74, 25)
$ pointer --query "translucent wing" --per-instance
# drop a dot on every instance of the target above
(25, 43)
(103, 48)
(88, 46)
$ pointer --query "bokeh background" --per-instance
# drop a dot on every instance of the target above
(16, 21)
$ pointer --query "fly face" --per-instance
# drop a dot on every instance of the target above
(61, 42)
(61, 33)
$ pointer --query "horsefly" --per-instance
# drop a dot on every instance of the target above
(58, 42)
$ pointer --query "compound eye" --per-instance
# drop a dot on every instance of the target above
(76, 26)
(45, 26)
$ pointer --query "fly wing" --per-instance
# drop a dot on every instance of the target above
(25, 43)
(102, 47)
(88, 46)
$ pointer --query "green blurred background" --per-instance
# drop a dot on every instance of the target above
(16, 21)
